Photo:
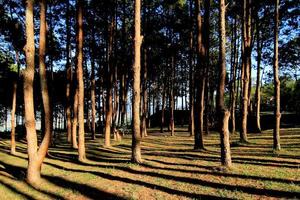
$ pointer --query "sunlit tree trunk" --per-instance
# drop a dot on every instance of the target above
(277, 115)
(109, 95)
(136, 136)
(257, 92)
(222, 112)
(81, 139)
(35, 155)
(246, 66)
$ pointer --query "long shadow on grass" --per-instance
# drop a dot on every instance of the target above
(137, 182)
(236, 159)
(15, 190)
(250, 190)
(19, 174)
(83, 189)
(215, 173)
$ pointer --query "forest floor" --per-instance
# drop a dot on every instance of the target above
(171, 170)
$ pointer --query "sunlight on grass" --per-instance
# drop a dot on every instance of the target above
(171, 170)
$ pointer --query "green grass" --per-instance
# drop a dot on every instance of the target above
(171, 170)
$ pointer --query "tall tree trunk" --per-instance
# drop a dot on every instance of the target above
(93, 86)
(136, 137)
(207, 64)
(223, 113)
(200, 80)
(109, 95)
(35, 155)
(145, 97)
(69, 75)
(13, 109)
(246, 66)
(277, 115)
(192, 74)
(233, 79)
(172, 123)
(81, 139)
(257, 92)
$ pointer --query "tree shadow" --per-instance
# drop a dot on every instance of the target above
(15, 190)
(83, 189)
(224, 174)
(136, 182)
(19, 174)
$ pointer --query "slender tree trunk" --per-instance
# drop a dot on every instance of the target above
(75, 120)
(93, 87)
(69, 75)
(257, 92)
(172, 123)
(192, 74)
(136, 137)
(246, 67)
(233, 79)
(223, 113)
(277, 115)
(145, 97)
(13, 109)
(81, 139)
(200, 80)
(162, 123)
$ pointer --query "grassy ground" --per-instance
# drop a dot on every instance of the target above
(172, 170)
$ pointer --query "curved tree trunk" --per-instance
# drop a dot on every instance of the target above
(35, 155)
(136, 136)
(276, 132)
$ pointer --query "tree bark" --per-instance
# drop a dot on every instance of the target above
(136, 137)
(257, 92)
(69, 75)
(109, 95)
(277, 115)
(13, 109)
(145, 97)
(222, 112)
(81, 139)
(200, 81)
(246, 66)
(192, 74)
(35, 155)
